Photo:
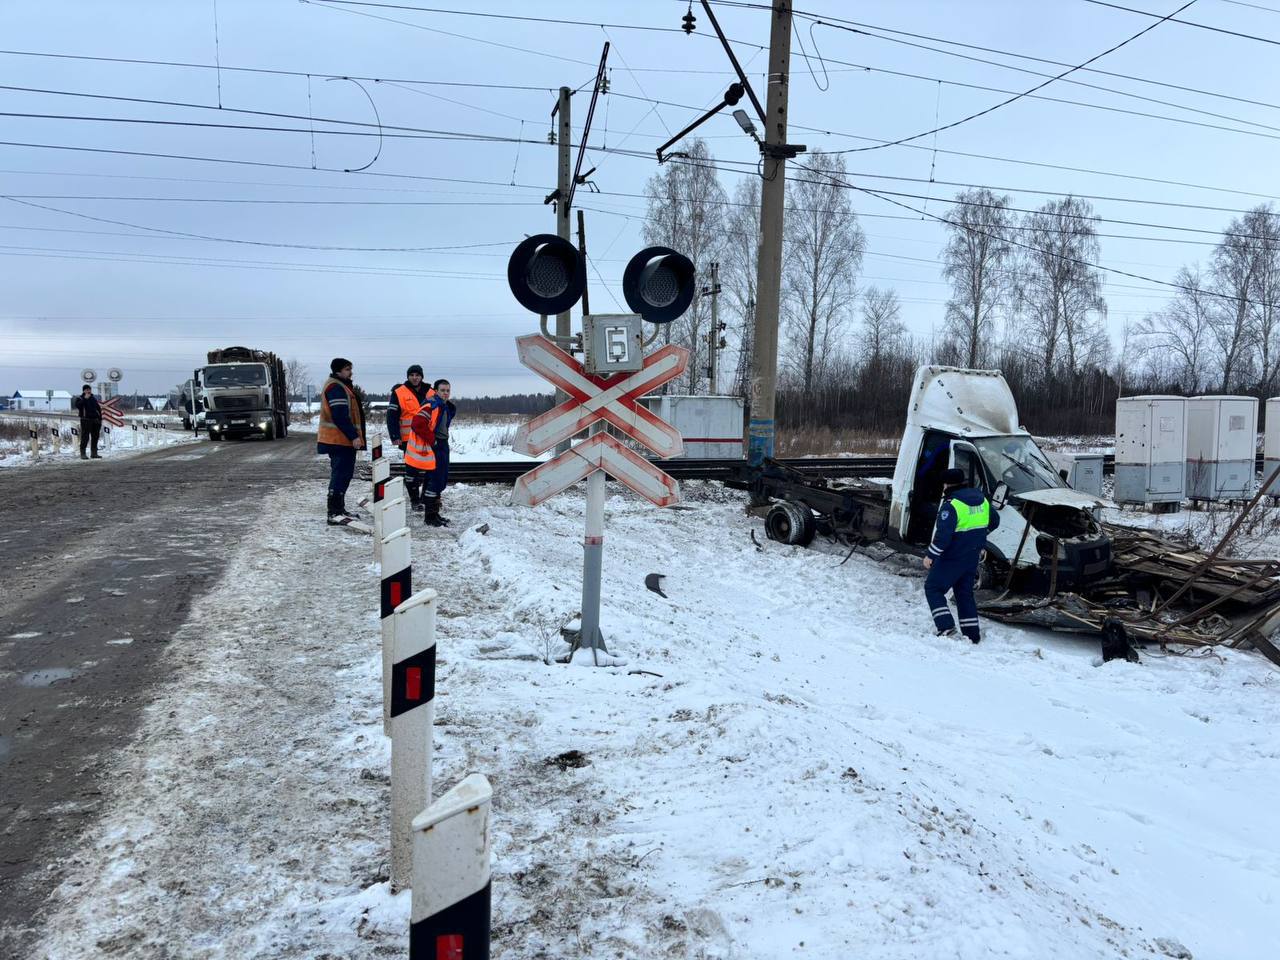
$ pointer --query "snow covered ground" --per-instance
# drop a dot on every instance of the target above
(120, 442)
(810, 772)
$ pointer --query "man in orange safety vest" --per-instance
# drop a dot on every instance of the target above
(406, 400)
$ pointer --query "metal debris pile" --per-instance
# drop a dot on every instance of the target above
(1164, 592)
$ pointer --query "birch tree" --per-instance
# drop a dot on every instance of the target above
(977, 262)
(686, 212)
(822, 256)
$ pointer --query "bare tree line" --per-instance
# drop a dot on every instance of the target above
(1025, 297)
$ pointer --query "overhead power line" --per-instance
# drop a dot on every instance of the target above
(1018, 96)
(1187, 23)
(867, 30)
(831, 178)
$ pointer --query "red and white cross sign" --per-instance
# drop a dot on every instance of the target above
(593, 397)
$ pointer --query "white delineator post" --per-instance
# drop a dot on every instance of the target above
(56, 434)
(375, 449)
(381, 473)
(449, 918)
(34, 436)
(397, 587)
(413, 690)
(106, 436)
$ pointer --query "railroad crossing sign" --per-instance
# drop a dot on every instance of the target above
(111, 413)
(592, 398)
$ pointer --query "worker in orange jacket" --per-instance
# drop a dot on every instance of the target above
(420, 455)
(406, 400)
(341, 434)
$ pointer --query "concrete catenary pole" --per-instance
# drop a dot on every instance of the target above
(713, 338)
(764, 361)
(564, 138)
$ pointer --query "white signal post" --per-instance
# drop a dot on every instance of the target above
(413, 686)
(596, 399)
(397, 587)
(381, 474)
(35, 443)
(449, 916)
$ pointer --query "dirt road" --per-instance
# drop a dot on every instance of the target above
(101, 563)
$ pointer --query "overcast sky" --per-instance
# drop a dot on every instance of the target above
(322, 268)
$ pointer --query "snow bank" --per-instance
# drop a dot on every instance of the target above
(810, 773)
(120, 443)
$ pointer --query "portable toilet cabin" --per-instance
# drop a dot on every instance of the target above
(1151, 450)
(1082, 471)
(1222, 447)
(1271, 445)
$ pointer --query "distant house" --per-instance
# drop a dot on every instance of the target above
(46, 400)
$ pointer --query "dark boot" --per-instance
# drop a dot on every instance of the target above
(414, 489)
(334, 511)
(439, 507)
(431, 511)
(341, 500)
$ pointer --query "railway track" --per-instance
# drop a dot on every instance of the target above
(506, 471)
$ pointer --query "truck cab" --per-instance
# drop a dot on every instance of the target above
(242, 394)
(968, 419)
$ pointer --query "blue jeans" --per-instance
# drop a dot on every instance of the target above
(438, 478)
(342, 465)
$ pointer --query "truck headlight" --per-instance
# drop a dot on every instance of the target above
(1047, 545)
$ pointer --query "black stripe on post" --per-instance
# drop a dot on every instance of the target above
(396, 589)
(458, 932)
(413, 681)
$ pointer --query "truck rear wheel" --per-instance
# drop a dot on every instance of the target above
(789, 522)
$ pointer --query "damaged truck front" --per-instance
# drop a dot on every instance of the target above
(1048, 538)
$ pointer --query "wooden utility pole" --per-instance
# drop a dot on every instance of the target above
(764, 361)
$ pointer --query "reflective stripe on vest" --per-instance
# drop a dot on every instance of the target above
(969, 517)
(419, 453)
(409, 405)
(329, 432)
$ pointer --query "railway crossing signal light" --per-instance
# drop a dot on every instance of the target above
(658, 284)
(547, 274)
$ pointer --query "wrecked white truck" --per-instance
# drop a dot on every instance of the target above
(1051, 562)
(1048, 536)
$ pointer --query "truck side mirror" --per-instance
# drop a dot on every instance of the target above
(1000, 495)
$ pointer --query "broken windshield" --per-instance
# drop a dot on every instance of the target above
(235, 375)
(1017, 462)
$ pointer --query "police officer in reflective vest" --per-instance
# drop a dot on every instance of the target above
(341, 434)
(406, 399)
(959, 539)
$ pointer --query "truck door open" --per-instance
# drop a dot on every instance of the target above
(926, 488)
(964, 456)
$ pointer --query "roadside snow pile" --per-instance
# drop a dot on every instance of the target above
(811, 772)
(119, 443)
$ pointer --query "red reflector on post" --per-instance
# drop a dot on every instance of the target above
(449, 946)
(413, 691)
(397, 593)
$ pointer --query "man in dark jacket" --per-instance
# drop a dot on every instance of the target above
(406, 400)
(959, 539)
(438, 478)
(340, 435)
(90, 421)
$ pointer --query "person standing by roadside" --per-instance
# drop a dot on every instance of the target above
(341, 434)
(90, 421)
(438, 478)
(406, 400)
